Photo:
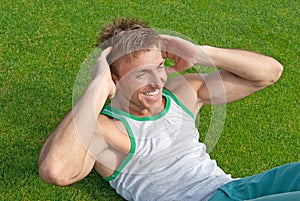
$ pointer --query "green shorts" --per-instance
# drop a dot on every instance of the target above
(281, 183)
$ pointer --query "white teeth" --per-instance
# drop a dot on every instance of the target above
(152, 93)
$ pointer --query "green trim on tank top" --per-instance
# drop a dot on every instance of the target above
(151, 118)
(155, 117)
(179, 102)
(132, 149)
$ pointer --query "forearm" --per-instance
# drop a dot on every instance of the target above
(64, 153)
(248, 65)
(85, 113)
(241, 73)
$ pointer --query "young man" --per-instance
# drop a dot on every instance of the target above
(145, 142)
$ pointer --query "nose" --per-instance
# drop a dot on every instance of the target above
(157, 78)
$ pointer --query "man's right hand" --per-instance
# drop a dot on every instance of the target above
(102, 71)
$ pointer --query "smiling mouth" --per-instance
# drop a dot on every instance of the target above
(151, 94)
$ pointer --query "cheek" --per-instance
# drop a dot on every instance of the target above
(164, 76)
(130, 86)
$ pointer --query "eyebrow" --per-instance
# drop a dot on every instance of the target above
(147, 70)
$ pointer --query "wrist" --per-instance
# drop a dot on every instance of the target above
(99, 87)
(205, 56)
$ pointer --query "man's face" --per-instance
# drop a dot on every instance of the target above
(141, 80)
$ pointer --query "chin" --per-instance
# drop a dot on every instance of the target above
(153, 104)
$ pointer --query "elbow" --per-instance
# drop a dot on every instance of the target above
(272, 74)
(52, 175)
(277, 70)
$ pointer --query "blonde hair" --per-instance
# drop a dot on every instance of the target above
(119, 25)
(129, 37)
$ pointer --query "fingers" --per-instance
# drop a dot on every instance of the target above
(174, 46)
(171, 70)
(166, 54)
(103, 56)
(101, 62)
(168, 40)
(165, 39)
(106, 51)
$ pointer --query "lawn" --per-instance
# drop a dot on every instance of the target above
(43, 45)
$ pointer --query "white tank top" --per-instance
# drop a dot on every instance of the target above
(166, 161)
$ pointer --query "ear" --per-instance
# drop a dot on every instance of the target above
(115, 78)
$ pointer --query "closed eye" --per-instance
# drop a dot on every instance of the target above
(140, 74)
(160, 67)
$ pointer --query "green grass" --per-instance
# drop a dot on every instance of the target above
(44, 43)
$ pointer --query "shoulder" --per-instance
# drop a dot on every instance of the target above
(192, 81)
(185, 88)
(114, 133)
(117, 145)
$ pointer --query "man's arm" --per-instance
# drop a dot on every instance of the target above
(65, 157)
(240, 73)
